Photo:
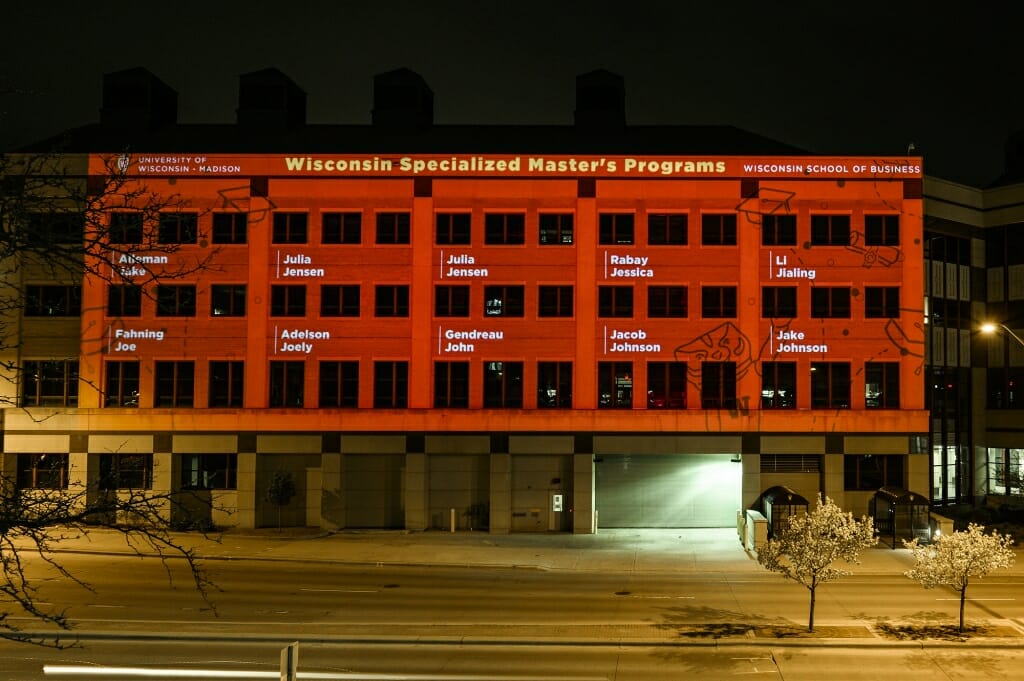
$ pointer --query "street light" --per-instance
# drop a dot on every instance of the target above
(992, 327)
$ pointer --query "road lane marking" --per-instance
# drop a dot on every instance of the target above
(166, 672)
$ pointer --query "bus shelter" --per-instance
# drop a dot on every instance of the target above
(900, 514)
(778, 504)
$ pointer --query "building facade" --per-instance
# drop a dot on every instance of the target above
(544, 330)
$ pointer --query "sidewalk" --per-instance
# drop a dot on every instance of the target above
(614, 550)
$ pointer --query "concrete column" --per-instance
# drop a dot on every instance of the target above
(583, 493)
(751, 485)
(332, 494)
(833, 479)
(417, 482)
(501, 493)
(247, 498)
(83, 469)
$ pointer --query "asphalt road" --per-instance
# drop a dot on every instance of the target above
(423, 624)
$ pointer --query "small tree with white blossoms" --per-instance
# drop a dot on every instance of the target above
(954, 558)
(807, 547)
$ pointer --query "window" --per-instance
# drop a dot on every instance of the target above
(882, 230)
(778, 385)
(615, 301)
(341, 228)
(451, 301)
(830, 302)
(554, 301)
(175, 301)
(390, 385)
(339, 300)
(126, 471)
(290, 228)
(830, 230)
(125, 228)
(615, 228)
(718, 385)
(452, 229)
(227, 383)
(288, 301)
(778, 230)
(718, 302)
(42, 471)
(554, 385)
(504, 229)
(666, 385)
(227, 300)
(882, 385)
(667, 301)
(666, 229)
(392, 228)
(122, 386)
(230, 228)
(718, 229)
(778, 301)
(53, 301)
(503, 385)
(339, 384)
(49, 383)
(175, 384)
(57, 228)
(287, 384)
(391, 301)
(872, 471)
(830, 385)
(1004, 387)
(178, 228)
(503, 301)
(556, 229)
(124, 300)
(881, 301)
(615, 385)
(451, 385)
(209, 471)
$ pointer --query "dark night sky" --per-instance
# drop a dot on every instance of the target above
(842, 78)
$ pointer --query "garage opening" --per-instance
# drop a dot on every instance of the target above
(678, 490)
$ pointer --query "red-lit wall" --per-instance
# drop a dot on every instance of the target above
(728, 185)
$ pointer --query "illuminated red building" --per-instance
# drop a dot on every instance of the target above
(592, 329)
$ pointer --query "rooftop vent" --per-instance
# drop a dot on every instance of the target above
(402, 99)
(135, 98)
(600, 100)
(270, 99)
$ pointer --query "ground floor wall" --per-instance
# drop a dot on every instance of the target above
(499, 483)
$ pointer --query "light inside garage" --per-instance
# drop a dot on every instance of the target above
(682, 490)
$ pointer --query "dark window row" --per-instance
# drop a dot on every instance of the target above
(129, 471)
(392, 300)
(829, 383)
(830, 302)
(455, 228)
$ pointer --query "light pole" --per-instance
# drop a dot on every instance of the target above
(992, 327)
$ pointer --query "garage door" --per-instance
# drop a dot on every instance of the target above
(682, 490)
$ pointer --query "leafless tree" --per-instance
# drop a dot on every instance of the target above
(68, 221)
(72, 223)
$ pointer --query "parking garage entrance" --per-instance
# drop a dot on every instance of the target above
(675, 490)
